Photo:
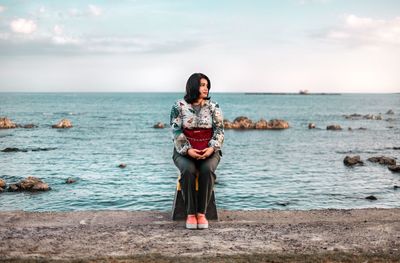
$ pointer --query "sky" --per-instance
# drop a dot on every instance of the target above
(242, 46)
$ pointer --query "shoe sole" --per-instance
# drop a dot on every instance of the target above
(191, 226)
(202, 226)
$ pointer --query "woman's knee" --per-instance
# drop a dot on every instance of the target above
(188, 168)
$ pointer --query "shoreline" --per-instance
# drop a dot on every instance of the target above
(259, 235)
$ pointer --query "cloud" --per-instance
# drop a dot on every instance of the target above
(305, 2)
(58, 30)
(59, 42)
(2, 8)
(95, 10)
(23, 26)
(365, 31)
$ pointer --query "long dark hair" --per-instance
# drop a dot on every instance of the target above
(193, 87)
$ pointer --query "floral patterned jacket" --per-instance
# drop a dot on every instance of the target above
(184, 115)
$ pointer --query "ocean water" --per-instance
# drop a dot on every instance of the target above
(295, 168)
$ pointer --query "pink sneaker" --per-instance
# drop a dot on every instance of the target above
(191, 222)
(202, 221)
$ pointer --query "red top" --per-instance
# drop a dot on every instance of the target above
(199, 137)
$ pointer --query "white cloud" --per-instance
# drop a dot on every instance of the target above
(95, 10)
(2, 8)
(304, 2)
(4, 36)
(60, 38)
(366, 31)
(23, 26)
(64, 40)
(58, 30)
(74, 12)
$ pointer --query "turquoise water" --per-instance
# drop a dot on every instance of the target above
(297, 167)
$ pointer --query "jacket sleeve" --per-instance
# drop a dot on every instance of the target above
(218, 128)
(181, 143)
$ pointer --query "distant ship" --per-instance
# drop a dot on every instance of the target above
(303, 92)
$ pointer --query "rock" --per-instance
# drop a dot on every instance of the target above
(372, 117)
(334, 127)
(12, 149)
(283, 203)
(122, 165)
(40, 187)
(12, 188)
(42, 149)
(240, 122)
(350, 129)
(371, 197)
(6, 123)
(395, 187)
(261, 124)
(394, 168)
(64, 123)
(390, 119)
(311, 126)
(390, 112)
(278, 124)
(70, 180)
(2, 183)
(383, 160)
(228, 124)
(362, 128)
(356, 116)
(159, 125)
(350, 161)
(30, 184)
(243, 122)
(396, 148)
(353, 116)
(28, 126)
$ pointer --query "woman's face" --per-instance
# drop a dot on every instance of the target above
(203, 89)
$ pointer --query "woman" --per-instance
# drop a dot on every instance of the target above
(198, 134)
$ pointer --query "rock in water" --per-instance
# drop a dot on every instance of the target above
(390, 112)
(371, 197)
(383, 160)
(12, 149)
(245, 123)
(6, 123)
(394, 168)
(2, 183)
(261, 124)
(64, 123)
(122, 165)
(28, 126)
(29, 184)
(70, 180)
(159, 125)
(334, 127)
(352, 160)
(311, 126)
(278, 124)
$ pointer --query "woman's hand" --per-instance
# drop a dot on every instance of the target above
(200, 154)
(194, 153)
(207, 152)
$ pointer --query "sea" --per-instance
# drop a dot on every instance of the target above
(292, 169)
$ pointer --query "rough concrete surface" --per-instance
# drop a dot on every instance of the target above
(241, 236)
